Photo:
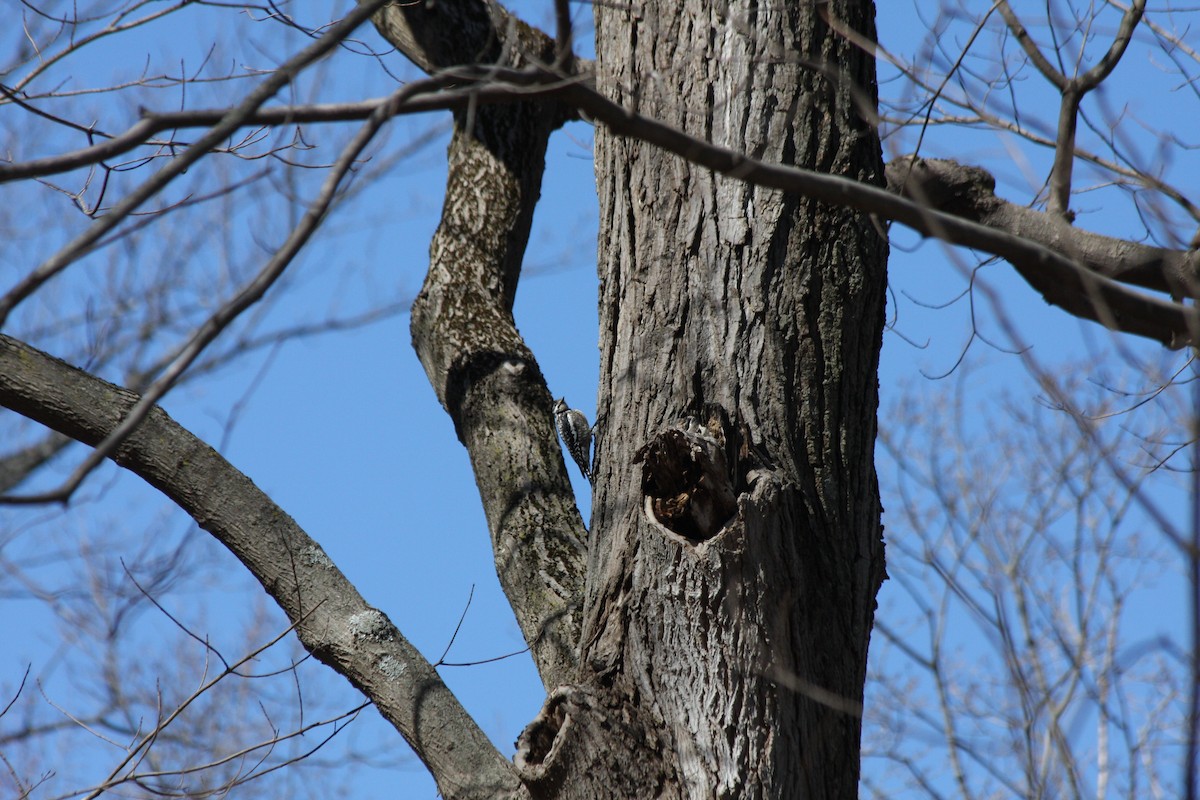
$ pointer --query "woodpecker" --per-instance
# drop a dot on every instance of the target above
(576, 435)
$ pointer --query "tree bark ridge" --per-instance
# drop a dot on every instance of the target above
(746, 652)
(464, 332)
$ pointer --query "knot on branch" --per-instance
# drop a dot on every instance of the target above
(537, 760)
(687, 480)
(941, 184)
(580, 740)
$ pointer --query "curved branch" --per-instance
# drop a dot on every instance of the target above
(969, 193)
(332, 619)
(1101, 70)
(462, 324)
(489, 382)
(1052, 271)
(418, 99)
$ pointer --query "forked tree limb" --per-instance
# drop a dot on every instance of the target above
(1072, 90)
(463, 330)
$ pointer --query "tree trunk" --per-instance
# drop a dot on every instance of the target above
(735, 549)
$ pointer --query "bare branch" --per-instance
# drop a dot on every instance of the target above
(221, 319)
(141, 133)
(1072, 90)
(136, 752)
(1061, 280)
(231, 122)
(1102, 69)
(1048, 70)
(563, 35)
(334, 621)
(119, 25)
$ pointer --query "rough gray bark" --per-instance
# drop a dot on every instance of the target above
(730, 660)
(719, 661)
(465, 335)
(969, 193)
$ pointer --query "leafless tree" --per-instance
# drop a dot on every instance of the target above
(121, 676)
(1017, 655)
(707, 634)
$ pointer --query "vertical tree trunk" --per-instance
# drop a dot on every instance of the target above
(726, 626)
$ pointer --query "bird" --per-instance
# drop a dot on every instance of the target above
(575, 433)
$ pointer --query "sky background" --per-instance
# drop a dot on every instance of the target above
(344, 432)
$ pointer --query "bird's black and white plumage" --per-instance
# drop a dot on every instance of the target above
(576, 435)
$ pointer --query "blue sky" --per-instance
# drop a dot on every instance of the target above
(345, 434)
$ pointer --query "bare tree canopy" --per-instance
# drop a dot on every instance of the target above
(183, 221)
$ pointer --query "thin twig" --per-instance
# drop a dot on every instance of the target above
(230, 122)
(225, 315)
